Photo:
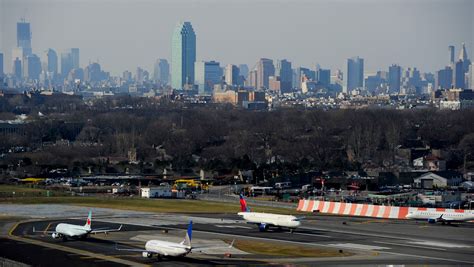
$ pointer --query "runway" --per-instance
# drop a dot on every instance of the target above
(373, 242)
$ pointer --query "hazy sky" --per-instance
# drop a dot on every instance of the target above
(124, 34)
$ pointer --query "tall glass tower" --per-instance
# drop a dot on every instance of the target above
(183, 55)
(355, 73)
(23, 35)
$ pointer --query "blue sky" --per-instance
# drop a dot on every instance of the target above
(122, 34)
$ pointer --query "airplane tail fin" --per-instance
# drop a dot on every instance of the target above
(189, 235)
(243, 204)
(89, 221)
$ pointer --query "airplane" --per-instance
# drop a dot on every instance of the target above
(441, 216)
(65, 230)
(265, 220)
(166, 248)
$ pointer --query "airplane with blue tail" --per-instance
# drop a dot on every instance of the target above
(170, 249)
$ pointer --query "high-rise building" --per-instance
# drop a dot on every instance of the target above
(127, 76)
(394, 78)
(471, 77)
(183, 55)
(93, 73)
(16, 68)
(459, 75)
(244, 70)
(232, 75)
(284, 71)
(75, 58)
(23, 36)
(140, 75)
(252, 79)
(21, 54)
(323, 77)
(451, 54)
(444, 78)
(1, 69)
(464, 58)
(208, 73)
(303, 74)
(161, 71)
(265, 69)
(355, 73)
(32, 69)
(51, 61)
(66, 63)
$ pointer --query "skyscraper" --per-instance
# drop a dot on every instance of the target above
(394, 78)
(284, 71)
(265, 69)
(244, 70)
(93, 73)
(324, 76)
(51, 61)
(16, 68)
(232, 75)
(183, 55)
(444, 78)
(463, 57)
(451, 54)
(66, 63)
(471, 77)
(1, 68)
(355, 73)
(459, 74)
(208, 73)
(252, 79)
(23, 36)
(32, 67)
(75, 58)
(302, 73)
(161, 71)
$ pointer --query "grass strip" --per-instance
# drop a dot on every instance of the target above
(286, 250)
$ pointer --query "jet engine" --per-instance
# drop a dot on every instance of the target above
(146, 255)
(431, 220)
(262, 227)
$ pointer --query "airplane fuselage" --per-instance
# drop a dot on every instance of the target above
(278, 220)
(166, 248)
(441, 216)
(71, 230)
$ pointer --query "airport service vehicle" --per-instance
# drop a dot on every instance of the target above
(441, 216)
(65, 230)
(265, 220)
(166, 248)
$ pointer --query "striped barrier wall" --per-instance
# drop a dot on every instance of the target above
(365, 210)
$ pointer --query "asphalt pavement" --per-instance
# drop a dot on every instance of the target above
(373, 241)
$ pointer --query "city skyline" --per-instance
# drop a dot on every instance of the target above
(236, 44)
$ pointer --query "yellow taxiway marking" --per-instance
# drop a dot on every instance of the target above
(372, 221)
(47, 227)
(10, 233)
(71, 250)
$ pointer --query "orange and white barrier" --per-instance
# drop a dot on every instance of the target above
(366, 210)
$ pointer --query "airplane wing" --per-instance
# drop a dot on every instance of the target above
(105, 230)
(138, 250)
(43, 232)
(200, 248)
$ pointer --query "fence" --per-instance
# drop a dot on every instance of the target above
(365, 210)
